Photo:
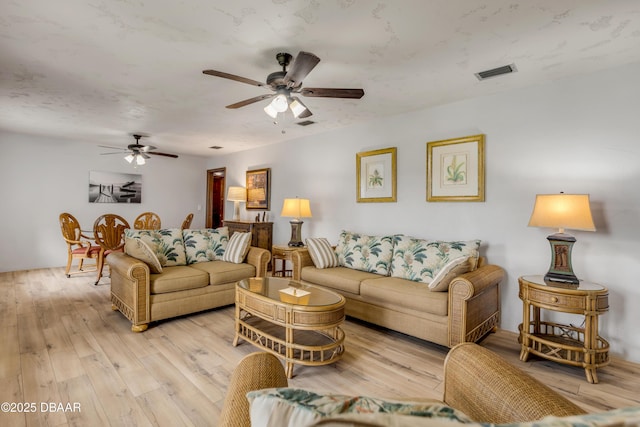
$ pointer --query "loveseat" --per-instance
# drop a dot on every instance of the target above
(479, 387)
(172, 272)
(442, 292)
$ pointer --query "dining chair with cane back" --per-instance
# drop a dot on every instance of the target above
(77, 248)
(147, 221)
(108, 232)
(187, 222)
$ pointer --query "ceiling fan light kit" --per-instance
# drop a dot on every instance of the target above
(285, 83)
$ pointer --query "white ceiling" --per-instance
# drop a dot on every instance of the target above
(99, 70)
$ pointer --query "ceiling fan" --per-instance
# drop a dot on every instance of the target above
(138, 152)
(286, 84)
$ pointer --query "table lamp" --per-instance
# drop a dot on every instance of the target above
(562, 211)
(237, 195)
(296, 208)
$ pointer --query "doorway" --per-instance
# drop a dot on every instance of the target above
(215, 197)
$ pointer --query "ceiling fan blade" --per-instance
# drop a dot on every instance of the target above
(301, 67)
(116, 152)
(157, 153)
(251, 100)
(332, 93)
(146, 148)
(113, 148)
(233, 77)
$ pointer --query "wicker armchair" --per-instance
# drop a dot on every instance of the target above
(477, 382)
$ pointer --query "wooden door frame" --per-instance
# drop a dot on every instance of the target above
(211, 176)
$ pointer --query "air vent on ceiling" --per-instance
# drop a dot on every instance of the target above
(215, 147)
(495, 72)
(305, 123)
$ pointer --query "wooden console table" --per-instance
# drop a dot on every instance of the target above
(561, 343)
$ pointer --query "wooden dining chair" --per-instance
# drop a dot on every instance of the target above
(187, 222)
(147, 221)
(78, 245)
(108, 232)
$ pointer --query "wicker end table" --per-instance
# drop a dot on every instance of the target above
(568, 344)
(297, 322)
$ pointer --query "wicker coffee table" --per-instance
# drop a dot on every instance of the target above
(297, 322)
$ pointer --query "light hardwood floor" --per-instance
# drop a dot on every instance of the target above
(61, 343)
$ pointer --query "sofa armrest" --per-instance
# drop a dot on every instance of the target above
(259, 258)
(255, 371)
(130, 289)
(474, 304)
(489, 389)
(300, 259)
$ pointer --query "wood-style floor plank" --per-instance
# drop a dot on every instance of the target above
(62, 343)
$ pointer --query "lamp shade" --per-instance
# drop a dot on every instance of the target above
(562, 211)
(237, 194)
(296, 208)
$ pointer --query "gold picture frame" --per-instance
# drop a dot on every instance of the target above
(376, 176)
(259, 189)
(455, 170)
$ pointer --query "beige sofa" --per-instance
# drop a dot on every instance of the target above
(465, 313)
(144, 297)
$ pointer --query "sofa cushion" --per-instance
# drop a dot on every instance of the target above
(140, 250)
(296, 407)
(365, 253)
(237, 247)
(321, 253)
(167, 244)
(337, 278)
(221, 272)
(391, 292)
(421, 260)
(205, 245)
(177, 278)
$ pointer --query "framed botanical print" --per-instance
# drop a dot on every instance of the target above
(259, 189)
(376, 176)
(455, 170)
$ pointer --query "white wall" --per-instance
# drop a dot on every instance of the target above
(43, 177)
(578, 136)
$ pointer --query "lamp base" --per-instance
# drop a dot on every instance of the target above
(561, 269)
(236, 210)
(296, 233)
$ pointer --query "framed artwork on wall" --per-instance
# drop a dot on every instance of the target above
(455, 170)
(259, 189)
(113, 187)
(376, 176)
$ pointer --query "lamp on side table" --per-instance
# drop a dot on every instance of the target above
(296, 209)
(562, 211)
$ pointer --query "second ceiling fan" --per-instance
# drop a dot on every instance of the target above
(286, 84)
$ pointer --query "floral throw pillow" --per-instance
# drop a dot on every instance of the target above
(421, 260)
(365, 253)
(296, 407)
(205, 245)
(167, 244)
